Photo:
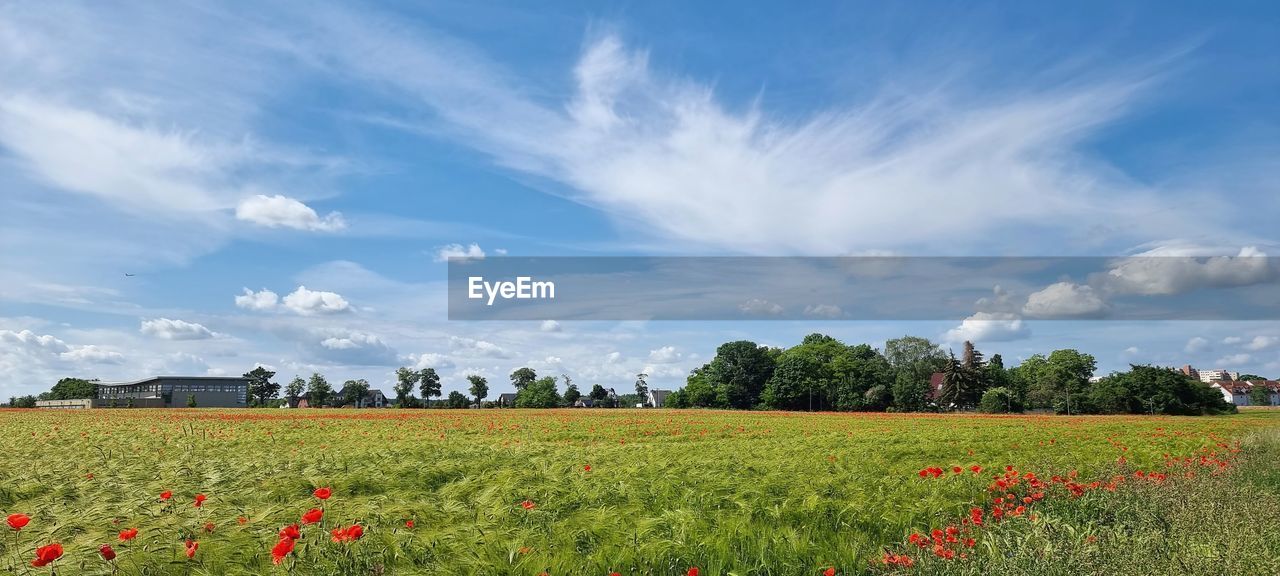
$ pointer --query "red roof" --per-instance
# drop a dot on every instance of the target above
(1244, 386)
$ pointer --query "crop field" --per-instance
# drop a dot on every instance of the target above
(597, 492)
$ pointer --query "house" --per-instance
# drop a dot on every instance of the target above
(298, 402)
(1238, 392)
(585, 402)
(371, 399)
(658, 397)
(164, 392)
(936, 380)
(506, 400)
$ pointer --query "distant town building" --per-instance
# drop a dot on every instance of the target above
(1238, 391)
(1209, 376)
(372, 398)
(506, 400)
(658, 397)
(164, 392)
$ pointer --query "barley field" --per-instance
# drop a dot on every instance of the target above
(528, 492)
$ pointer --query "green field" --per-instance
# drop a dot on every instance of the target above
(634, 491)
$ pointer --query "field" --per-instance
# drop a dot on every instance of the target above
(638, 492)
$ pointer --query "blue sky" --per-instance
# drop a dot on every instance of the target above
(331, 154)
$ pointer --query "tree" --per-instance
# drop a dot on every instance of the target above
(355, 391)
(429, 384)
(457, 400)
(191, 400)
(479, 387)
(523, 377)
(998, 400)
(795, 377)
(1154, 390)
(541, 393)
(698, 391)
(1248, 377)
(642, 388)
(27, 401)
(260, 385)
(598, 393)
(739, 372)
(72, 389)
(963, 382)
(1067, 374)
(913, 360)
(406, 379)
(1259, 395)
(318, 390)
(571, 392)
(954, 384)
(294, 390)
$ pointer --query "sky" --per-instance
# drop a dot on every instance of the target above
(283, 184)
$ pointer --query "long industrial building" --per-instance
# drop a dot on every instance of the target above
(164, 392)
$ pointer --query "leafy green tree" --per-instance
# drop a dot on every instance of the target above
(913, 360)
(999, 400)
(191, 400)
(698, 391)
(521, 378)
(598, 393)
(27, 401)
(318, 390)
(677, 399)
(479, 387)
(739, 372)
(1259, 395)
(406, 379)
(72, 389)
(795, 379)
(1156, 390)
(355, 391)
(855, 370)
(429, 384)
(642, 388)
(1250, 377)
(877, 398)
(964, 381)
(457, 400)
(541, 393)
(261, 387)
(294, 389)
(571, 392)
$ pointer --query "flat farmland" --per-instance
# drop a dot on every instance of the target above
(630, 491)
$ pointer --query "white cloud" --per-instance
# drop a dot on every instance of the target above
(1132, 351)
(258, 301)
(307, 302)
(175, 329)
(473, 252)
(1195, 345)
(823, 311)
(283, 212)
(758, 307)
(550, 326)
(1233, 360)
(1232, 340)
(93, 354)
(473, 347)
(988, 327)
(44, 346)
(1261, 343)
(665, 355)
(1178, 269)
(1064, 300)
(612, 357)
(431, 360)
(353, 347)
(30, 341)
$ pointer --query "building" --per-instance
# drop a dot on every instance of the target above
(1238, 392)
(658, 397)
(506, 400)
(1209, 376)
(163, 392)
(372, 399)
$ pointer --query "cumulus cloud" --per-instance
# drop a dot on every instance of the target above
(1132, 351)
(1176, 270)
(1195, 345)
(473, 347)
(988, 327)
(93, 354)
(307, 302)
(258, 301)
(284, 212)
(1233, 360)
(472, 252)
(665, 355)
(1261, 343)
(430, 360)
(353, 347)
(758, 307)
(1064, 300)
(549, 326)
(30, 341)
(612, 357)
(175, 329)
(45, 346)
(823, 311)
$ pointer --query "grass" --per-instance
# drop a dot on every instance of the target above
(727, 492)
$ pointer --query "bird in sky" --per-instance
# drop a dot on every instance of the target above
(129, 275)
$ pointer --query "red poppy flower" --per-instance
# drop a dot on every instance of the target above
(692, 572)
(167, 494)
(348, 534)
(829, 571)
(200, 498)
(128, 534)
(586, 468)
(106, 552)
(191, 547)
(976, 469)
(290, 532)
(282, 548)
(312, 516)
(408, 523)
(47, 554)
(956, 469)
(528, 505)
(322, 493)
(242, 520)
(614, 574)
(18, 521)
